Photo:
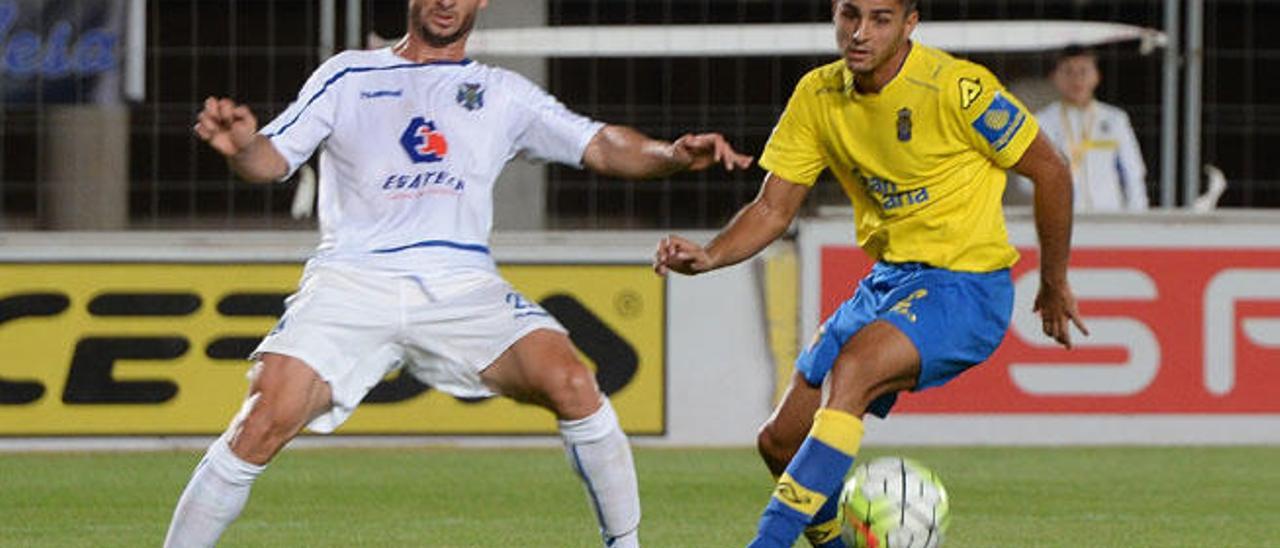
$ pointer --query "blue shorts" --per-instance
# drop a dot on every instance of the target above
(955, 319)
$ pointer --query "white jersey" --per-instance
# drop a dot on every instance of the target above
(410, 152)
(1106, 162)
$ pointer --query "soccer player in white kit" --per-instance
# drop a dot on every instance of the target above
(412, 138)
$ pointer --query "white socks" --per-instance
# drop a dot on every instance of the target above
(213, 499)
(598, 450)
(596, 447)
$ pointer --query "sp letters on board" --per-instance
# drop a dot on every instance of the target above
(146, 349)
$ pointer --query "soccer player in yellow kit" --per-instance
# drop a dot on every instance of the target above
(920, 141)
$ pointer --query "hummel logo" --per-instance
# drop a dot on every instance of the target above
(903, 307)
(381, 93)
(788, 493)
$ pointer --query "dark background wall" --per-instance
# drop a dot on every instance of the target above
(260, 52)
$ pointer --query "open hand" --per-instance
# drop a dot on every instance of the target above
(706, 149)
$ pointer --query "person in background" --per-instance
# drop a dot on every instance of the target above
(1096, 138)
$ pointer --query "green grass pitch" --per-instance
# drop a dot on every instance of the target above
(444, 497)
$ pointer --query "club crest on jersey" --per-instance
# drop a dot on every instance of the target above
(424, 142)
(471, 96)
(904, 125)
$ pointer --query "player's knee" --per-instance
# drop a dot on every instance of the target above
(573, 392)
(264, 431)
(774, 449)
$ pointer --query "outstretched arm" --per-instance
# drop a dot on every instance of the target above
(754, 227)
(232, 130)
(620, 151)
(1053, 209)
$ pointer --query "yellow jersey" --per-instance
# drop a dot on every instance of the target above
(922, 161)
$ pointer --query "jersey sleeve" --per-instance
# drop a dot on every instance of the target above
(299, 130)
(986, 115)
(794, 150)
(548, 130)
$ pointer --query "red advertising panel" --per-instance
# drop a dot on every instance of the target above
(1174, 331)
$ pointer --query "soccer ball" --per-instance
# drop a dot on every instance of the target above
(892, 502)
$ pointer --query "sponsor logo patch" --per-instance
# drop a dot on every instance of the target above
(423, 141)
(1000, 122)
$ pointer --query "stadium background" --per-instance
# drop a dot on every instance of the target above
(101, 168)
(135, 272)
(259, 51)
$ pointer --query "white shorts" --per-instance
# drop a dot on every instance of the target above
(354, 326)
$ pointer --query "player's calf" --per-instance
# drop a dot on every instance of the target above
(600, 454)
(284, 395)
(780, 437)
(778, 444)
(542, 368)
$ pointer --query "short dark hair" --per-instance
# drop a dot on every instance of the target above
(1074, 50)
(908, 6)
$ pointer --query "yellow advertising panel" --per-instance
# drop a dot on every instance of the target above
(142, 349)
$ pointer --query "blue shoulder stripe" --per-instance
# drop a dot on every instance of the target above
(350, 70)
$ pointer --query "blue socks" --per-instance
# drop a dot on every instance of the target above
(812, 483)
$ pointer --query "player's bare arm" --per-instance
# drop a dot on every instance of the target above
(232, 130)
(1053, 210)
(755, 226)
(620, 151)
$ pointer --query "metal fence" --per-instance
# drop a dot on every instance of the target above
(260, 51)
